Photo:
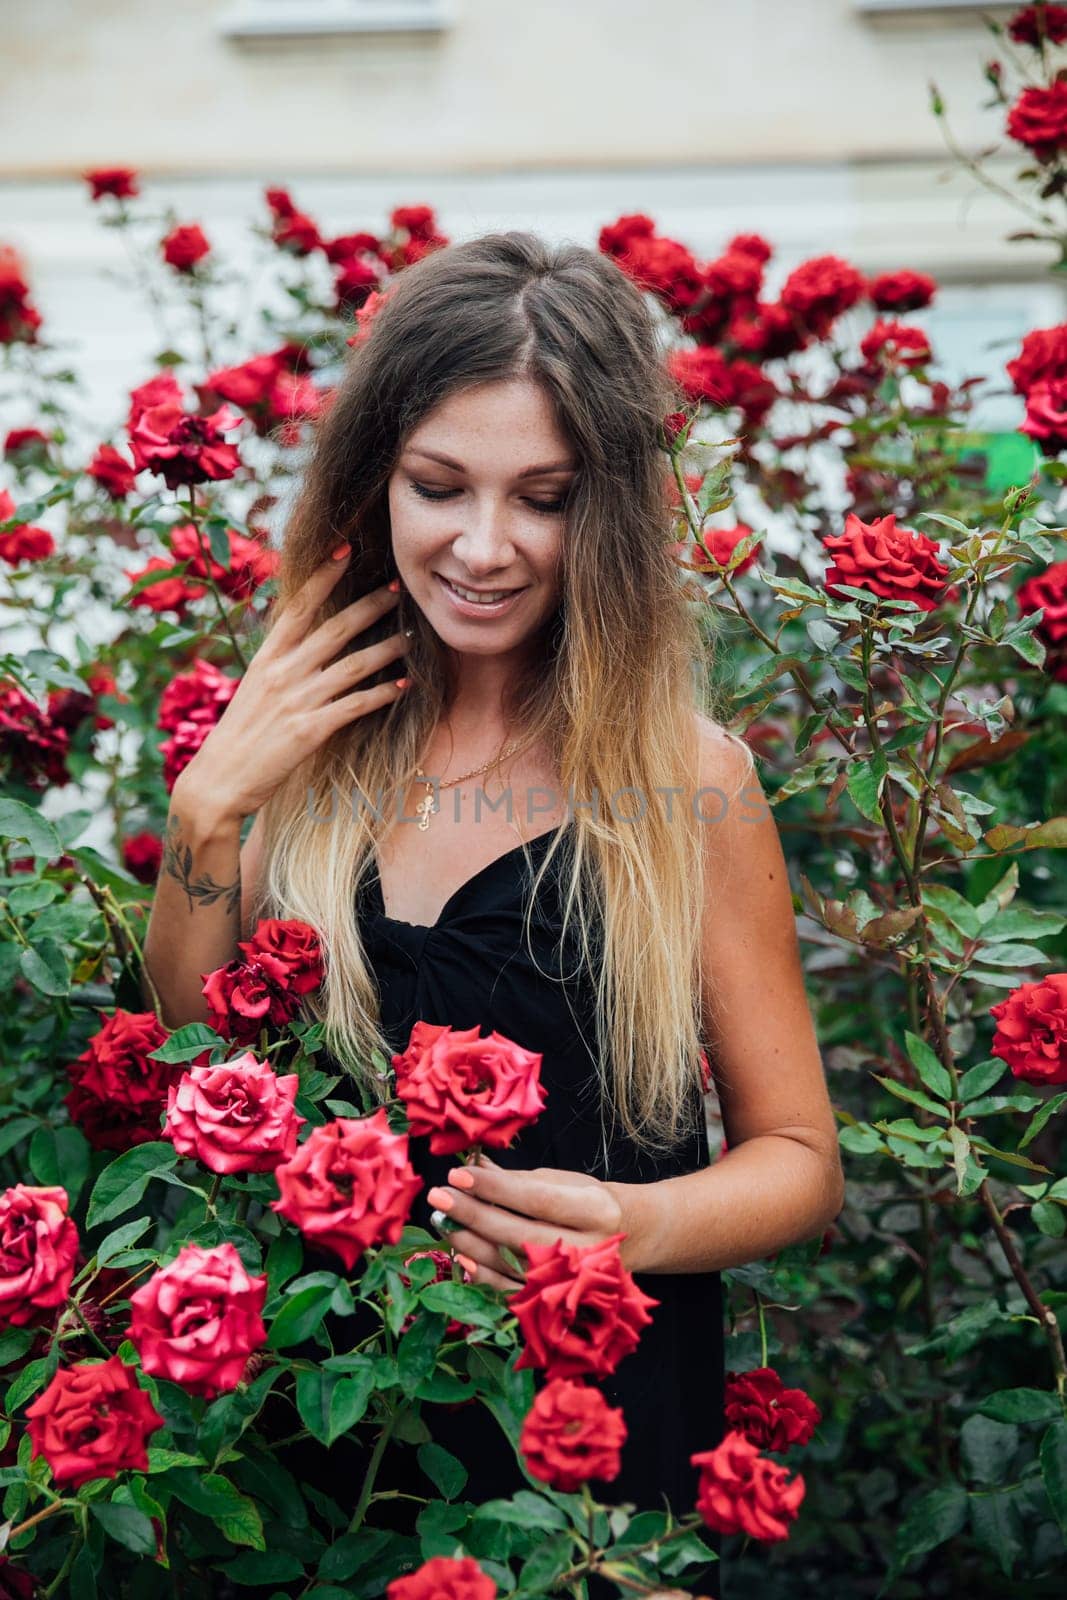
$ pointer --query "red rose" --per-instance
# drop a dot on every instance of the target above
(895, 344)
(464, 1090)
(579, 1309)
(15, 1582)
(354, 280)
(1031, 1031)
(168, 594)
(295, 945)
(182, 448)
(1038, 120)
(720, 545)
(177, 751)
(1042, 355)
(1035, 24)
(766, 330)
(184, 246)
(1048, 592)
(347, 245)
(38, 1244)
(750, 244)
(744, 1492)
(349, 1186)
(246, 385)
(443, 1274)
(121, 182)
(23, 542)
(894, 563)
(615, 237)
(706, 1078)
(19, 319)
(199, 695)
(112, 471)
(419, 221)
(444, 1578)
(247, 994)
(235, 1117)
(705, 375)
(119, 1093)
(773, 1417)
(665, 268)
(142, 855)
(199, 1319)
(1046, 415)
(251, 563)
(820, 290)
(903, 290)
(35, 748)
(291, 229)
(26, 441)
(93, 1421)
(162, 390)
(571, 1434)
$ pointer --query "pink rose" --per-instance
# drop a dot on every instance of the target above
(238, 1116)
(199, 1319)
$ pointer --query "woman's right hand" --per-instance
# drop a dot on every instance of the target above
(298, 691)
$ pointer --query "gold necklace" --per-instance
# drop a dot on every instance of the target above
(426, 808)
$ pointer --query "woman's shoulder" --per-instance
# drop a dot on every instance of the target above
(724, 760)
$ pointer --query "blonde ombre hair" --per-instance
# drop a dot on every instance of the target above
(624, 660)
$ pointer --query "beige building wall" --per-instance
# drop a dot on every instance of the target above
(183, 86)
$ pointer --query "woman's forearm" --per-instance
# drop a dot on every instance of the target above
(771, 1191)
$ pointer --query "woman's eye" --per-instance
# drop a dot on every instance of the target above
(548, 508)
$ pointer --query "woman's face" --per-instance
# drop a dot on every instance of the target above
(477, 500)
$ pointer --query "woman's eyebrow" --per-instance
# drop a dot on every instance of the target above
(530, 472)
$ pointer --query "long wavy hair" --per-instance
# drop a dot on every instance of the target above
(624, 660)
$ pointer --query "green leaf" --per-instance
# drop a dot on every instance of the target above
(213, 1496)
(527, 1509)
(18, 821)
(14, 1342)
(1053, 1455)
(551, 1557)
(1038, 1121)
(979, 1079)
(935, 1517)
(300, 1316)
(864, 785)
(120, 1239)
(348, 1403)
(264, 1566)
(445, 1472)
(417, 1350)
(126, 1525)
(352, 1552)
(996, 1521)
(13, 1132)
(1049, 1219)
(33, 1376)
(83, 1576)
(123, 1182)
(914, 1096)
(59, 1158)
(1021, 1405)
(46, 967)
(284, 1259)
(186, 1043)
(987, 1447)
(465, 1302)
(927, 1065)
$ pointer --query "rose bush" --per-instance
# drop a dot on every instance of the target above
(185, 1215)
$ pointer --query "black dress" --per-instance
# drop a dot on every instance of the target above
(473, 966)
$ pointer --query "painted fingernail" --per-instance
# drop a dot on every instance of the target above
(340, 553)
(440, 1198)
(394, 587)
(467, 1264)
(460, 1178)
(402, 683)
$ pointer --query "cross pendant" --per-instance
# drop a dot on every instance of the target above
(424, 811)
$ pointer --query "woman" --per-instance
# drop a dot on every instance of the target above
(537, 829)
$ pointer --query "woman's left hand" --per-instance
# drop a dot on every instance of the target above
(495, 1206)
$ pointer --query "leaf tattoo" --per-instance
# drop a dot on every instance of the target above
(178, 864)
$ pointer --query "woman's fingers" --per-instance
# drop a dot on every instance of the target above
(482, 1263)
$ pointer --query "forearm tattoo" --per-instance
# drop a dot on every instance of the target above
(203, 890)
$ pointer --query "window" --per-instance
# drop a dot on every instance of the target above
(267, 19)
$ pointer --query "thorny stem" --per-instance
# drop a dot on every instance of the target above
(372, 1467)
(206, 557)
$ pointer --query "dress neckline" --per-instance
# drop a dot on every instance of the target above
(375, 886)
